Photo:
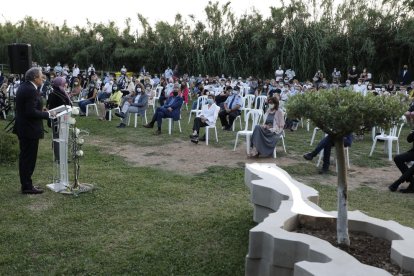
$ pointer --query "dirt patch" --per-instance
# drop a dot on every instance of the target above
(365, 248)
(187, 158)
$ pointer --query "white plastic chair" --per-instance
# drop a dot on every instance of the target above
(282, 138)
(136, 118)
(316, 129)
(239, 117)
(202, 100)
(158, 91)
(94, 105)
(110, 112)
(248, 131)
(259, 103)
(171, 122)
(393, 135)
(336, 160)
(248, 103)
(216, 112)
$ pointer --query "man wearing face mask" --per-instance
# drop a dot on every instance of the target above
(29, 127)
(231, 109)
(171, 109)
(113, 101)
(405, 76)
(353, 75)
(360, 88)
(137, 104)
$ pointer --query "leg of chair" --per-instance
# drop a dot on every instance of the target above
(110, 114)
(129, 118)
(390, 150)
(347, 157)
(136, 120)
(87, 111)
(240, 122)
(169, 125)
(307, 125)
(313, 135)
(283, 144)
(373, 147)
(206, 135)
(248, 144)
(145, 115)
(179, 125)
(215, 130)
(235, 143)
(320, 158)
(189, 117)
(274, 153)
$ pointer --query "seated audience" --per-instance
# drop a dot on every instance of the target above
(326, 144)
(231, 109)
(113, 101)
(90, 98)
(206, 118)
(171, 109)
(137, 104)
(265, 137)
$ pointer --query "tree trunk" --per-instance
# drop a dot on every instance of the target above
(342, 220)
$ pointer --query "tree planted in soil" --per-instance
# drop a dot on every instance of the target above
(339, 112)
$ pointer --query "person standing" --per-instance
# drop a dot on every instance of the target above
(405, 76)
(29, 127)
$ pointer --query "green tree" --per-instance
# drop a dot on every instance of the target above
(338, 113)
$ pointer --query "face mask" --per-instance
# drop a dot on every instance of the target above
(271, 106)
(76, 83)
(265, 87)
(210, 101)
(370, 87)
(206, 82)
(175, 93)
(353, 68)
(114, 88)
(138, 90)
(280, 83)
(236, 92)
(359, 83)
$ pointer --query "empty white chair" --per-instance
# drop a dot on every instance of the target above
(393, 135)
(316, 129)
(259, 103)
(254, 116)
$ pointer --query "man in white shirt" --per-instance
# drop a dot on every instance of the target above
(360, 88)
(207, 117)
(279, 73)
(75, 70)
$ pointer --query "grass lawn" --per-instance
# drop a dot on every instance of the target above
(148, 221)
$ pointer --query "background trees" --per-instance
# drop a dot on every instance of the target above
(304, 35)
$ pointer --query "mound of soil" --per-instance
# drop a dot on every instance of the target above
(365, 248)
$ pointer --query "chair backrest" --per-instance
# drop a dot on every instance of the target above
(254, 116)
(158, 91)
(259, 102)
(202, 100)
(399, 130)
(249, 100)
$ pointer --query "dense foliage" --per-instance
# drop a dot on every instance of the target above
(9, 148)
(304, 35)
(339, 112)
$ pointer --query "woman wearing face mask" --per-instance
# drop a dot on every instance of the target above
(207, 117)
(371, 89)
(76, 90)
(113, 101)
(265, 137)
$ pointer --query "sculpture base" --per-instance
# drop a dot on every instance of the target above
(82, 188)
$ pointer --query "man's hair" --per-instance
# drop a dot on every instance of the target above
(32, 73)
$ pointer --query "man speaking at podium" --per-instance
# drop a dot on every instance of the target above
(29, 126)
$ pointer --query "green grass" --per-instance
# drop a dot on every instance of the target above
(147, 221)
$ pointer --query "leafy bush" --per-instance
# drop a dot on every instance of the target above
(9, 148)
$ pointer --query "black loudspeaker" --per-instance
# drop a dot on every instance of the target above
(20, 57)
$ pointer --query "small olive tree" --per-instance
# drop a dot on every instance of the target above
(339, 112)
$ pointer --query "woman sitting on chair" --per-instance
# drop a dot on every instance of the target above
(265, 137)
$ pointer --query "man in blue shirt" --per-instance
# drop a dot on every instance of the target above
(231, 109)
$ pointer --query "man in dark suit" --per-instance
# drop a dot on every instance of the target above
(405, 76)
(171, 109)
(401, 161)
(29, 126)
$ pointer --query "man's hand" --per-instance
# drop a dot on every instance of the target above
(170, 109)
(228, 110)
